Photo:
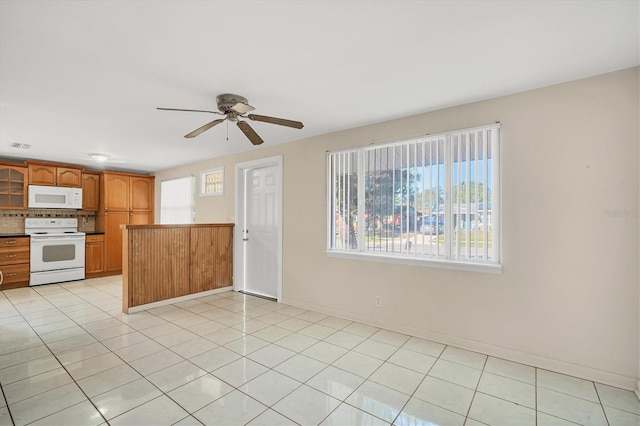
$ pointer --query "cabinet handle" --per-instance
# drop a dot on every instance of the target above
(11, 274)
(11, 255)
(12, 242)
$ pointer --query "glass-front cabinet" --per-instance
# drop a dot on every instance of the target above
(13, 187)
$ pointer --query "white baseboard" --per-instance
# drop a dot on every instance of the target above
(604, 377)
(165, 302)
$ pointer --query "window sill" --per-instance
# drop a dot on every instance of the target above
(429, 263)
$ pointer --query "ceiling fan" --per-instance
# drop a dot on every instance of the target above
(234, 107)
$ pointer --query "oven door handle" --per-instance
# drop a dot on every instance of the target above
(56, 239)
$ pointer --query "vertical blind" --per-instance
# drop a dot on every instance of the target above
(176, 201)
(430, 197)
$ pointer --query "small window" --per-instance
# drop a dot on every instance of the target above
(176, 201)
(212, 182)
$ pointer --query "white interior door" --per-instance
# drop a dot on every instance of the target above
(260, 224)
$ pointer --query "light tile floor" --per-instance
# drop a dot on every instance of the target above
(69, 356)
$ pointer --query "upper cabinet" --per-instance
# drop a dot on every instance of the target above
(127, 192)
(52, 175)
(42, 175)
(142, 193)
(13, 187)
(90, 191)
(67, 176)
(115, 188)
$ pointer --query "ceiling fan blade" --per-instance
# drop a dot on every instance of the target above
(187, 110)
(204, 128)
(274, 120)
(242, 108)
(250, 133)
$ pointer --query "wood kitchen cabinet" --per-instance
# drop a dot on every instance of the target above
(90, 191)
(13, 187)
(14, 262)
(52, 175)
(115, 191)
(142, 189)
(94, 255)
(113, 239)
(125, 199)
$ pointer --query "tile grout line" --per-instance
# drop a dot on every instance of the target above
(4, 396)
(604, 412)
(47, 305)
(61, 365)
(65, 367)
(421, 381)
(475, 390)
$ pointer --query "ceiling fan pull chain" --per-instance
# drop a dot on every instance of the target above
(227, 129)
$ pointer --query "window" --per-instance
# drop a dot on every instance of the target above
(176, 200)
(212, 182)
(430, 199)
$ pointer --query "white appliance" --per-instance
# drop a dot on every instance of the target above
(54, 197)
(57, 250)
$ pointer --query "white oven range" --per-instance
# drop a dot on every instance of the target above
(57, 250)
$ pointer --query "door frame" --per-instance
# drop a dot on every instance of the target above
(240, 194)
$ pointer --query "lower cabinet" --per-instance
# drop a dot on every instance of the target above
(14, 262)
(111, 223)
(113, 240)
(94, 254)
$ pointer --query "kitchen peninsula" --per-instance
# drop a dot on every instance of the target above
(174, 262)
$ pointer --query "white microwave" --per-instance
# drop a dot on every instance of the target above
(54, 197)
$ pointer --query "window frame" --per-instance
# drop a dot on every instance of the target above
(448, 262)
(204, 174)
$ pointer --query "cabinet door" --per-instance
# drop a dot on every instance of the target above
(42, 175)
(116, 192)
(13, 187)
(113, 239)
(94, 255)
(66, 176)
(14, 255)
(90, 191)
(15, 276)
(140, 218)
(142, 193)
(14, 242)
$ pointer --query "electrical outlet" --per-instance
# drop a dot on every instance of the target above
(378, 301)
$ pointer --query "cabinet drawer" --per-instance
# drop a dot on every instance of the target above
(14, 255)
(97, 237)
(15, 274)
(14, 241)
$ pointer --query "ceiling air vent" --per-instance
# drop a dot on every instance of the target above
(20, 145)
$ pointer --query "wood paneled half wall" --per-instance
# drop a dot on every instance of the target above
(162, 262)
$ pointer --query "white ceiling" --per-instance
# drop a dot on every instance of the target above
(78, 77)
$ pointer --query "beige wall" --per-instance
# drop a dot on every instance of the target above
(568, 297)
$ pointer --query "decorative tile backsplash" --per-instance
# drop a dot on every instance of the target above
(12, 221)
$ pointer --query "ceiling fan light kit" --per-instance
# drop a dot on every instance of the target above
(234, 107)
